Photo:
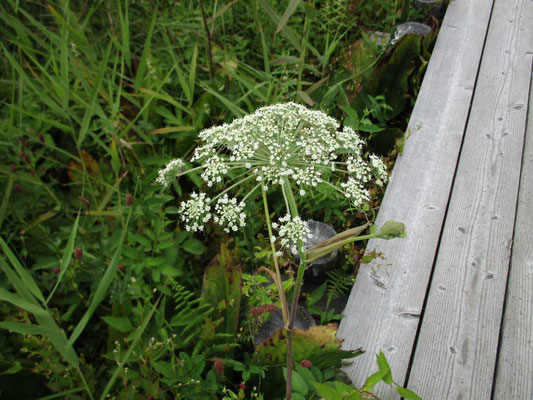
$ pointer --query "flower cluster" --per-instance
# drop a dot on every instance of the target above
(379, 170)
(291, 231)
(229, 213)
(195, 212)
(278, 144)
(167, 175)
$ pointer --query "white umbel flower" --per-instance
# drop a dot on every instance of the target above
(167, 174)
(355, 192)
(358, 169)
(291, 231)
(379, 170)
(229, 214)
(282, 144)
(195, 212)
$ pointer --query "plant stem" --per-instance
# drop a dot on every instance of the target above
(334, 246)
(85, 383)
(277, 281)
(287, 191)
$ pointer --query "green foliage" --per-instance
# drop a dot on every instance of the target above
(318, 345)
(311, 382)
(96, 95)
(222, 291)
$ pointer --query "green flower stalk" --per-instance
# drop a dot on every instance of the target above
(285, 147)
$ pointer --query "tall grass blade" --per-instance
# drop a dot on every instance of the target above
(22, 272)
(192, 73)
(286, 15)
(93, 97)
(26, 329)
(139, 77)
(22, 303)
(101, 290)
(67, 256)
(62, 395)
(5, 198)
(285, 30)
(57, 336)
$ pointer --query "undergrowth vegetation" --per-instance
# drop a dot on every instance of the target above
(104, 293)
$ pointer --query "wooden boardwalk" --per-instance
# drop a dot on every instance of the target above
(453, 312)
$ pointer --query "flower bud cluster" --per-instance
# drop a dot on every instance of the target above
(168, 174)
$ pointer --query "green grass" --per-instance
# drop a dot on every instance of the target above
(96, 96)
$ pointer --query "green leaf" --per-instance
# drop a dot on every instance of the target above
(27, 329)
(22, 272)
(101, 290)
(136, 336)
(327, 392)
(407, 394)
(67, 256)
(286, 15)
(316, 294)
(222, 289)
(13, 370)
(121, 324)
(391, 229)
(384, 366)
(318, 344)
(373, 379)
(194, 246)
(22, 303)
(298, 382)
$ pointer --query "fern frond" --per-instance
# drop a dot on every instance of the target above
(338, 284)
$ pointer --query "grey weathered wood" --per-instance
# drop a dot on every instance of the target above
(514, 379)
(384, 307)
(456, 350)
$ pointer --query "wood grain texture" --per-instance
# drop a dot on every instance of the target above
(385, 302)
(456, 350)
(514, 379)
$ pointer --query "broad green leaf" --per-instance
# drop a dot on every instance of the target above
(327, 392)
(194, 246)
(298, 383)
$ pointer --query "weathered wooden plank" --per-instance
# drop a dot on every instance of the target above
(382, 312)
(514, 379)
(455, 354)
